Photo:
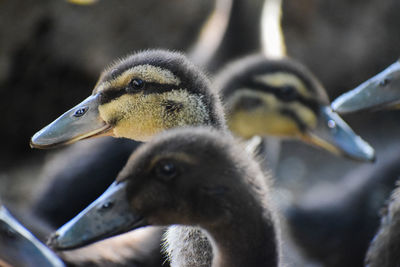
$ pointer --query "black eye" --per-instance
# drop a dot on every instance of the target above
(287, 93)
(166, 170)
(135, 85)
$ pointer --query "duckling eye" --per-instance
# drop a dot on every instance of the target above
(135, 85)
(166, 170)
(287, 93)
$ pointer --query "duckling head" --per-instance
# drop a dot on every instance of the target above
(18, 247)
(283, 98)
(172, 179)
(137, 97)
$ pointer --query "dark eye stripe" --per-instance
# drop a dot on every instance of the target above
(150, 88)
(276, 91)
(291, 114)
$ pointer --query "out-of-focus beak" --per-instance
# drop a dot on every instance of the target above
(107, 216)
(333, 134)
(82, 121)
(382, 90)
(18, 247)
(82, 2)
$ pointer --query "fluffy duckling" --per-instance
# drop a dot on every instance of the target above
(382, 90)
(18, 247)
(137, 97)
(173, 180)
(385, 247)
(283, 98)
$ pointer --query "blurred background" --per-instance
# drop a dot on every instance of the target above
(51, 53)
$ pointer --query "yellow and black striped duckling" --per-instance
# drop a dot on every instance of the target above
(382, 90)
(283, 98)
(18, 247)
(385, 247)
(137, 97)
(173, 180)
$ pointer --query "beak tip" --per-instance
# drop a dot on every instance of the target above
(373, 158)
(52, 242)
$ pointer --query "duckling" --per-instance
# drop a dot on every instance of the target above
(137, 97)
(270, 94)
(344, 216)
(173, 180)
(385, 247)
(378, 91)
(282, 98)
(18, 247)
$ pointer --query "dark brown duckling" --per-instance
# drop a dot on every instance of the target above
(343, 216)
(173, 179)
(385, 247)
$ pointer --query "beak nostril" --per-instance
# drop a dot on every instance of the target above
(331, 124)
(80, 112)
(106, 206)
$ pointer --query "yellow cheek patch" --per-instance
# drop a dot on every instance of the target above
(147, 73)
(267, 119)
(280, 79)
(140, 116)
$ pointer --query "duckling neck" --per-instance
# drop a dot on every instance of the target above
(248, 241)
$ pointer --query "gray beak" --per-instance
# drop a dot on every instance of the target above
(107, 216)
(380, 91)
(333, 134)
(18, 247)
(82, 121)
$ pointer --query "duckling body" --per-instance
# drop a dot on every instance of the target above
(232, 206)
(385, 247)
(344, 216)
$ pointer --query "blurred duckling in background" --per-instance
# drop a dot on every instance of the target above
(357, 198)
(272, 95)
(18, 247)
(344, 215)
(385, 247)
(380, 91)
(282, 98)
(173, 180)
